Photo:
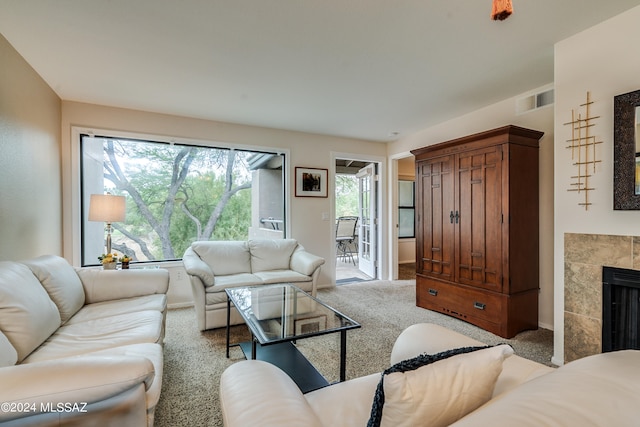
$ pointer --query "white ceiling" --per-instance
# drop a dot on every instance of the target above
(356, 68)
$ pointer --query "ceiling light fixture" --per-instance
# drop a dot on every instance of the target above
(501, 10)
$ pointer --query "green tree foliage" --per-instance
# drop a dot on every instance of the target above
(346, 195)
(176, 195)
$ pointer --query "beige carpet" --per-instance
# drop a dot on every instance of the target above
(407, 271)
(194, 361)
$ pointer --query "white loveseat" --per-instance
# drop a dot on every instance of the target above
(214, 266)
(601, 390)
(80, 346)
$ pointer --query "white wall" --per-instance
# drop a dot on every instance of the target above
(603, 60)
(30, 211)
(493, 116)
(307, 150)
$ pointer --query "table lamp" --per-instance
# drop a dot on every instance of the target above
(107, 208)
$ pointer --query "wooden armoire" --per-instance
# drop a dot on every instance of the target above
(477, 229)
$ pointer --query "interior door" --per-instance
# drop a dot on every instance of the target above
(367, 222)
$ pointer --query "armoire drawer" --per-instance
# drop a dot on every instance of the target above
(458, 301)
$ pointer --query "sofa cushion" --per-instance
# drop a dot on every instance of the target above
(281, 276)
(269, 255)
(103, 309)
(27, 314)
(62, 283)
(233, 281)
(224, 257)
(99, 334)
(437, 390)
(8, 353)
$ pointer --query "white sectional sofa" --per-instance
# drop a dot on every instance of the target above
(213, 266)
(492, 390)
(80, 346)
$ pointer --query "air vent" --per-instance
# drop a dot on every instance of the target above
(534, 101)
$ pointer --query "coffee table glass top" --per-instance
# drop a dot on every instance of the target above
(284, 312)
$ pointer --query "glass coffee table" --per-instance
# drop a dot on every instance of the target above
(279, 315)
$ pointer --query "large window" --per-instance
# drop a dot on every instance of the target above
(176, 194)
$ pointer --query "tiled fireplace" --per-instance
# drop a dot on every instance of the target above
(584, 257)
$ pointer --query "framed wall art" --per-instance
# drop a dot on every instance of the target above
(311, 182)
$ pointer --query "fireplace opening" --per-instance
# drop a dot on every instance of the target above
(620, 303)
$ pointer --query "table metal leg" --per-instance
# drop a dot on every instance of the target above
(253, 347)
(228, 321)
(343, 355)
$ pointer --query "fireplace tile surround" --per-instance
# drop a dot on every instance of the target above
(584, 257)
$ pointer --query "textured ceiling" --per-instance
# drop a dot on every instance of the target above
(364, 69)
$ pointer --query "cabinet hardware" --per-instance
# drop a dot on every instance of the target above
(433, 292)
(479, 305)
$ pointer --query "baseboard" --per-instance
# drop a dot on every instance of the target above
(546, 326)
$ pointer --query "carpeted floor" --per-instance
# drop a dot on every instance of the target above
(194, 361)
(407, 271)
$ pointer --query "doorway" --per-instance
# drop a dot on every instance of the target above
(405, 223)
(357, 226)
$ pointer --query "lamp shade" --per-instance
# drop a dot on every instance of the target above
(106, 208)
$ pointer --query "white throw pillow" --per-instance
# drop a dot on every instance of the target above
(442, 392)
(27, 315)
(61, 282)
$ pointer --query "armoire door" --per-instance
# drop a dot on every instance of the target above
(435, 223)
(479, 218)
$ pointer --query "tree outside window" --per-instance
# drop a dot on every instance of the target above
(175, 194)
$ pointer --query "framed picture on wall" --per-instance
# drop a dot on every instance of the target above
(311, 182)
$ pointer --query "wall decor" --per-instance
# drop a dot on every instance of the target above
(583, 150)
(626, 151)
(311, 182)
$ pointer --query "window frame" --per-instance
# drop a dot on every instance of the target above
(408, 208)
(73, 250)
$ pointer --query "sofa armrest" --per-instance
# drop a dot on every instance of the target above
(305, 263)
(195, 266)
(79, 380)
(257, 393)
(106, 285)
(427, 338)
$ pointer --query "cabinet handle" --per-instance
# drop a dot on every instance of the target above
(457, 217)
(479, 305)
(433, 292)
(451, 216)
